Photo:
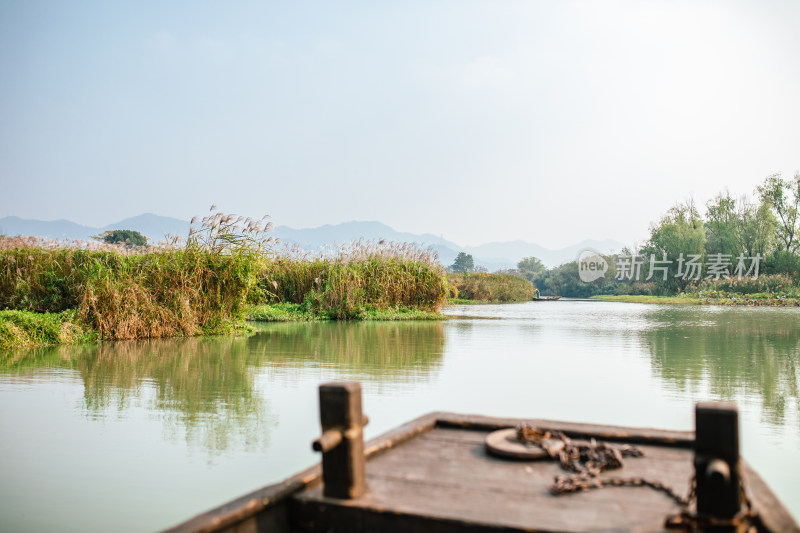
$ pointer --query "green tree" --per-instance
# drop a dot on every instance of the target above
(530, 268)
(721, 226)
(755, 227)
(463, 263)
(122, 236)
(783, 196)
(678, 232)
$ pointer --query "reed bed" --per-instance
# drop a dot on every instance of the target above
(25, 329)
(207, 283)
(348, 281)
(196, 287)
(492, 288)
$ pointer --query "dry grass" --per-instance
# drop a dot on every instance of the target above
(492, 288)
(345, 281)
(203, 285)
(123, 293)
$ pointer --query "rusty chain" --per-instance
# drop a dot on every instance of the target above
(589, 460)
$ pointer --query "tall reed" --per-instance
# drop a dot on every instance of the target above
(195, 287)
(203, 285)
(344, 281)
(492, 287)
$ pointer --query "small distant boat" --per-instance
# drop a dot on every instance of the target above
(539, 298)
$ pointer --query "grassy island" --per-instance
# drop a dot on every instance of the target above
(226, 272)
(481, 287)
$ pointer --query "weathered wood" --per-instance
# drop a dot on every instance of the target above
(772, 515)
(716, 460)
(451, 485)
(433, 474)
(575, 430)
(342, 441)
(267, 505)
(270, 500)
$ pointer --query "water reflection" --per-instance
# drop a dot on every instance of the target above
(202, 389)
(383, 351)
(755, 352)
(205, 389)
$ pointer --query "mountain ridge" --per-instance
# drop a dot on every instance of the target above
(493, 255)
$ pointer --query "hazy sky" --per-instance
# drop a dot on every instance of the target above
(494, 120)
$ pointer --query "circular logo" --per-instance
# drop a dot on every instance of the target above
(591, 266)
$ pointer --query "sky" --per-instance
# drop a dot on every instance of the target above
(549, 122)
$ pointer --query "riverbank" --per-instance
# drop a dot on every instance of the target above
(482, 287)
(227, 271)
(26, 329)
(712, 298)
(288, 312)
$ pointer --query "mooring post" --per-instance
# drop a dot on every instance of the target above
(716, 461)
(342, 440)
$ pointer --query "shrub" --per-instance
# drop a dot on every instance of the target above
(343, 284)
(771, 283)
(492, 287)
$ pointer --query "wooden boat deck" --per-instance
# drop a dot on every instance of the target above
(445, 478)
(434, 474)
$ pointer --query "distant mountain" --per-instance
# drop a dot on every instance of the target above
(52, 229)
(350, 231)
(152, 226)
(512, 251)
(493, 255)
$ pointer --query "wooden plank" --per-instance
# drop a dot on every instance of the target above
(425, 460)
(261, 501)
(265, 501)
(446, 477)
(772, 514)
(401, 434)
(662, 437)
(492, 510)
(450, 446)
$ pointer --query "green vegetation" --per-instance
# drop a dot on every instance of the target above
(530, 267)
(280, 312)
(463, 264)
(25, 329)
(226, 270)
(491, 288)
(647, 299)
(122, 294)
(742, 238)
(127, 237)
(402, 313)
(289, 312)
(378, 277)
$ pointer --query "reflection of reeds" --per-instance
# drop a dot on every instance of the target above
(736, 351)
(203, 387)
(372, 349)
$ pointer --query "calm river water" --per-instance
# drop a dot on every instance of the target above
(137, 436)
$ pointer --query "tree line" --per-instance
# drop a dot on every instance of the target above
(758, 235)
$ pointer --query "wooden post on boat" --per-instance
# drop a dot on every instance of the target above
(342, 440)
(716, 461)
